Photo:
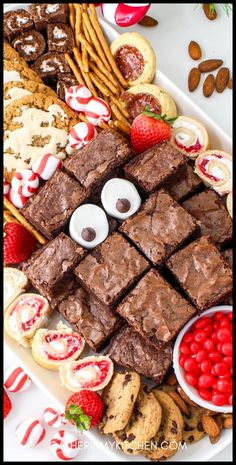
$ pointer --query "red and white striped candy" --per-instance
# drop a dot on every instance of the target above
(18, 200)
(30, 432)
(64, 445)
(81, 134)
(54, 418)
(46, 166)
(124, 14)
(25, 183)
(77, 97)
(6, 187)
(97, 111)
(16, 380)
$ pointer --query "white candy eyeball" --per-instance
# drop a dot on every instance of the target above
(89, 225)
(120, 198)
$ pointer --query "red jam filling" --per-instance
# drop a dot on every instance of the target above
(73, 344)
(192, 148)
(206, 357)
(37, 305)
(101, 374)
(136, 103)
(203, 166)
(130, 62)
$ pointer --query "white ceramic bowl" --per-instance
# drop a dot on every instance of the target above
(190, 390)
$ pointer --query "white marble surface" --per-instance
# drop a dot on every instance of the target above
(178, 24)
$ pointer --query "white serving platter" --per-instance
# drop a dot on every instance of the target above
(48, 381)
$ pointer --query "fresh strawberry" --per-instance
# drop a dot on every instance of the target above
(7, 406)
(84, 409)
(149, 129)
(19, 244)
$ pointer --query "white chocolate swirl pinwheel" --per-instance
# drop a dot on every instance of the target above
(229, 204)
(214, 167)
(15, 282)
(92, 373)
(52, 348)
(25, 315)
(189, 136)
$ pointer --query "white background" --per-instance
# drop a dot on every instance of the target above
(178, 24)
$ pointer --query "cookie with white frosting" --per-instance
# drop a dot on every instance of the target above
(16, 90)
(89, 225)
(120, 198)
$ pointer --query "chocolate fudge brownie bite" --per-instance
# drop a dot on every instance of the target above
(48, 66)
(60, 38)
(129, 349)
(64, 81)
(160, 227)
(61, 290)
(30, 45)
(111, 269)
(15, 22)
(155, 309)
(50, 209)
(202, 272)
(44, 13)
(93, 164)
(184, 183)
(228, 256)
(153, 168)
(212, 215)
(94, 320)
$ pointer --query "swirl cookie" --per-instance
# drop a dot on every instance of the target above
(189, 136)
(215, 168)
(165, 443)
(25, 315)
(52, 348)
(15, 281)
(92, 373)
(16, 69)
(35, 125)
(119, 398)
(143, 425)
(16, 90)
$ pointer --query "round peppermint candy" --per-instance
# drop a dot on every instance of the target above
(46, 166)
(18, 200)
(54, 418)
(81, 134)
(25, 183)
(30, 432)
(64, 445)
(97, 111)
(77, 97)
(16, 380)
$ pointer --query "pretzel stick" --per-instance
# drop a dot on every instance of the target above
(75, 70)
(122, 127)
(118, 114)
(86, 32)
(85, 64)
(105, 46)
(72, 16)
(8, 217)
(103, 78)
(101, 125)
(85, 6)
(99, 84)
(111, 124)
(13, 210)
(78, 22)
(95, 40)
(120, 106)
(86, 76)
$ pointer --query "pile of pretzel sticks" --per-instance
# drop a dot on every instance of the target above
(93, 64)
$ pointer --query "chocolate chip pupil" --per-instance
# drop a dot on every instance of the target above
(123, 205)
(88, 234)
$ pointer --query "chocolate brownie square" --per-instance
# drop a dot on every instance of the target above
(160, 227)
(155, 310)
(110, 269)
(50, 209)
(129, 349)
(212, 215)
(184, 183)
(61, 290)
(153, 168)
(228, 256)
(44, 13)
(94, 320)
(202, 272)
(93, 164)
(15, 22)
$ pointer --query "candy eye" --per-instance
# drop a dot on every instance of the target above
(89, 226)
(120, 198)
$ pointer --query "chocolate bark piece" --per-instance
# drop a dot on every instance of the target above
(160, 227)
(44, 13)
(51, 207)
(202, 272)
(60, 38)
(49, 65)
(94, 163)
(87, 315)
(129, 349)
(111, 269)
(184, 183)
(155, 309)
(212, 215)
(153, 168)
(30, 45)
(64, 81)
(16, 22)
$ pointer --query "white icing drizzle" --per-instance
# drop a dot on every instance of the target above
(11, 75)
(15, 93)
(59, 33)
(52, 8)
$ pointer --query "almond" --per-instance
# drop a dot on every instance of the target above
(214, 439)
(222, 79)
(194, 50)
(208, 85)
(193, 79)
(210, 426)
(171, 379)
(179, 401)
(209, 11)
(148, 21)
(228, 422)
(230, 84)
(209, 65)
(185, 397)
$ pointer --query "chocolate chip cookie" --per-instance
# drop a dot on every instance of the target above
(193, 429)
